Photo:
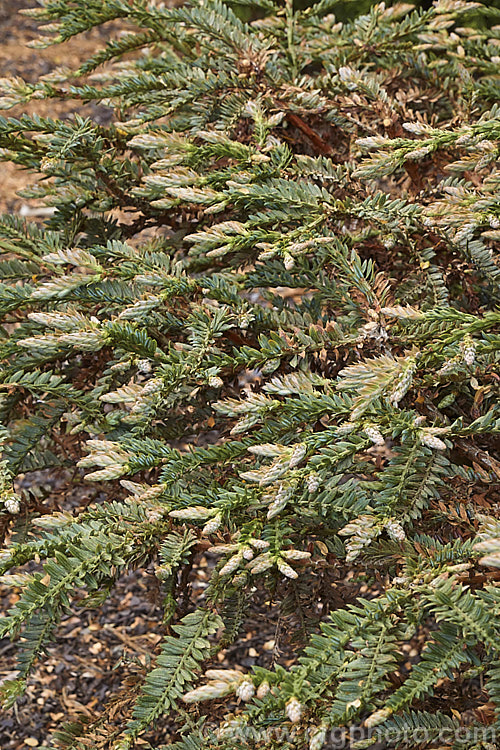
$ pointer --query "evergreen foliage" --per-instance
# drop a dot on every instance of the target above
(263, 317)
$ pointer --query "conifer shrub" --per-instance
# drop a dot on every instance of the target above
(263, 318)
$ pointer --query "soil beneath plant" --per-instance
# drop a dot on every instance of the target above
(18, 59)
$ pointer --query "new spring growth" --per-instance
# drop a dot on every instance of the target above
(468, 351)
(245, 690)
(429, 438)
(155, 514)
(377, 718)
(261, 563)
(244, 319)
(192, 513)
(239, 552)
(293, 710)
(362, 530)
(10, 500)
(108, 454)
(298, 453)
(395, 530)
(317, 738)
(212, 525)
(279, 501)
(263, 690)
(286, 569)
(291, 555)
(266, 560)
(231, 565)
(221, 683)
(11, 503)
(375, 435)
(312, 483)
(346, 428)
(144, 366)
(404, 382)
(215, 382)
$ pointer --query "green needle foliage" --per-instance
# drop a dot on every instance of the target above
(263, 317)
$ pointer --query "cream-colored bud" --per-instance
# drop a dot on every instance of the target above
(276, 507)
(318, 737)
(395, 531)
(418, 153)
(212, 525)
(110, 472)
(155, 514)
(226, 675)
(469, 352)
(259, 543)
(207, 692)
(293, 710)
(261, 563)
(215, 382)
(295, 554)
(298, 454)
(263, 690)
(377, 718)
(375, 435)
(154, 385)
(144, 366)
(192, 513)
(312, 483)
(346, 428)
(232, 564)
(12, 504)
(245, 690)
(247, 553)
(286, 569)
(431, 441)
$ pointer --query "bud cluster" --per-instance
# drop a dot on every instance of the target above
(244, 319)
(317, 738)
(245, 690)
(212, 525)
(108, 454)
(221, 683)
(362, 530)
(468, 351)
(375, 435)
(279, 501)
(298, 453)
(263, 690)
(403, 384)
(377, 718)
(144, 366)
(395, 530)
(192, 513)
(313, 482)
(293, 710)
(215, 382)
(11, 502)
(429, 438)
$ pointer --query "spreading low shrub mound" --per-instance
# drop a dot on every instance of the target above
(263, 317)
